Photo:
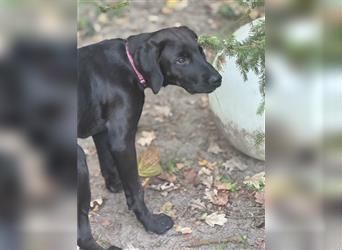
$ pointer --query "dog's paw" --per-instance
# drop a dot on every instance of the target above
(114, 187)
(158, 223)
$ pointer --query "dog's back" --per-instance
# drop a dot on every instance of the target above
(99, 68)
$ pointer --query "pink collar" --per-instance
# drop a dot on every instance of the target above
(136, 71)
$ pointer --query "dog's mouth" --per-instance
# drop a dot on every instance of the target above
(201, 90)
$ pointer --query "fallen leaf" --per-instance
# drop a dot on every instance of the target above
(210, 194)
(180, 166)
(149, 162)
(216, 219)
(176, 4)
(167, 177)
(96, 204)
(211, 165)
(146, 138)
(256, 180)
(167, 209)
(216, 197)
(214, 148)
(203, 162)
(260, 243)
(183, 230)
(197, 204)
(260, 197)
(221, 198)
(164, 187)
(167, 186)
(207, 181)
(223, 185)
(190, 176)
(204, 171)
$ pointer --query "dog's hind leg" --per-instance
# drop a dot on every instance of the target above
(85, 239)
(107, 165)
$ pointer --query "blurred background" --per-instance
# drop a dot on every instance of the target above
(303, 138)
(37, 125)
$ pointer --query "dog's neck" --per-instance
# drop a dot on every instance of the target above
(134, 43)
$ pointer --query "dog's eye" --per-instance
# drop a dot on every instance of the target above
(181, 60)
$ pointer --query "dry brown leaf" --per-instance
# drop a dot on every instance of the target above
(167, 177)
(167, 209)
(197, 204)
(214, 148)
(221, 198)
(211, 165)
(183, 230)
(207, 164)
(149, 162)
(146, 138)
(260, 197)
(215, 219)
(190, 176)
(216, 197)
(203, 162)
(222, 185)
(176, 4)
(180, 166)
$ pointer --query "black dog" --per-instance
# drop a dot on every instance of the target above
(110, 101)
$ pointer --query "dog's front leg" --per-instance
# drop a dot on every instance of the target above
(122, 146)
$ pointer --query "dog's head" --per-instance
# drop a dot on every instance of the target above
(173, 56)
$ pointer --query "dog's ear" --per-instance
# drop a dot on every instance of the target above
(189, 31)
(149, 61)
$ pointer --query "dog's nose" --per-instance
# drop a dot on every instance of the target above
(215, 80)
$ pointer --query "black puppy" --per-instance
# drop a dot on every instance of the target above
(112, 78)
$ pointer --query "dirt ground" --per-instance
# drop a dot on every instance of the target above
(184, 129)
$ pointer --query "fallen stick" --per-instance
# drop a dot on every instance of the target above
(199, 243)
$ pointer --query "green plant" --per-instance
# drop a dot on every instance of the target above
(249, 53)
(171, 166)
